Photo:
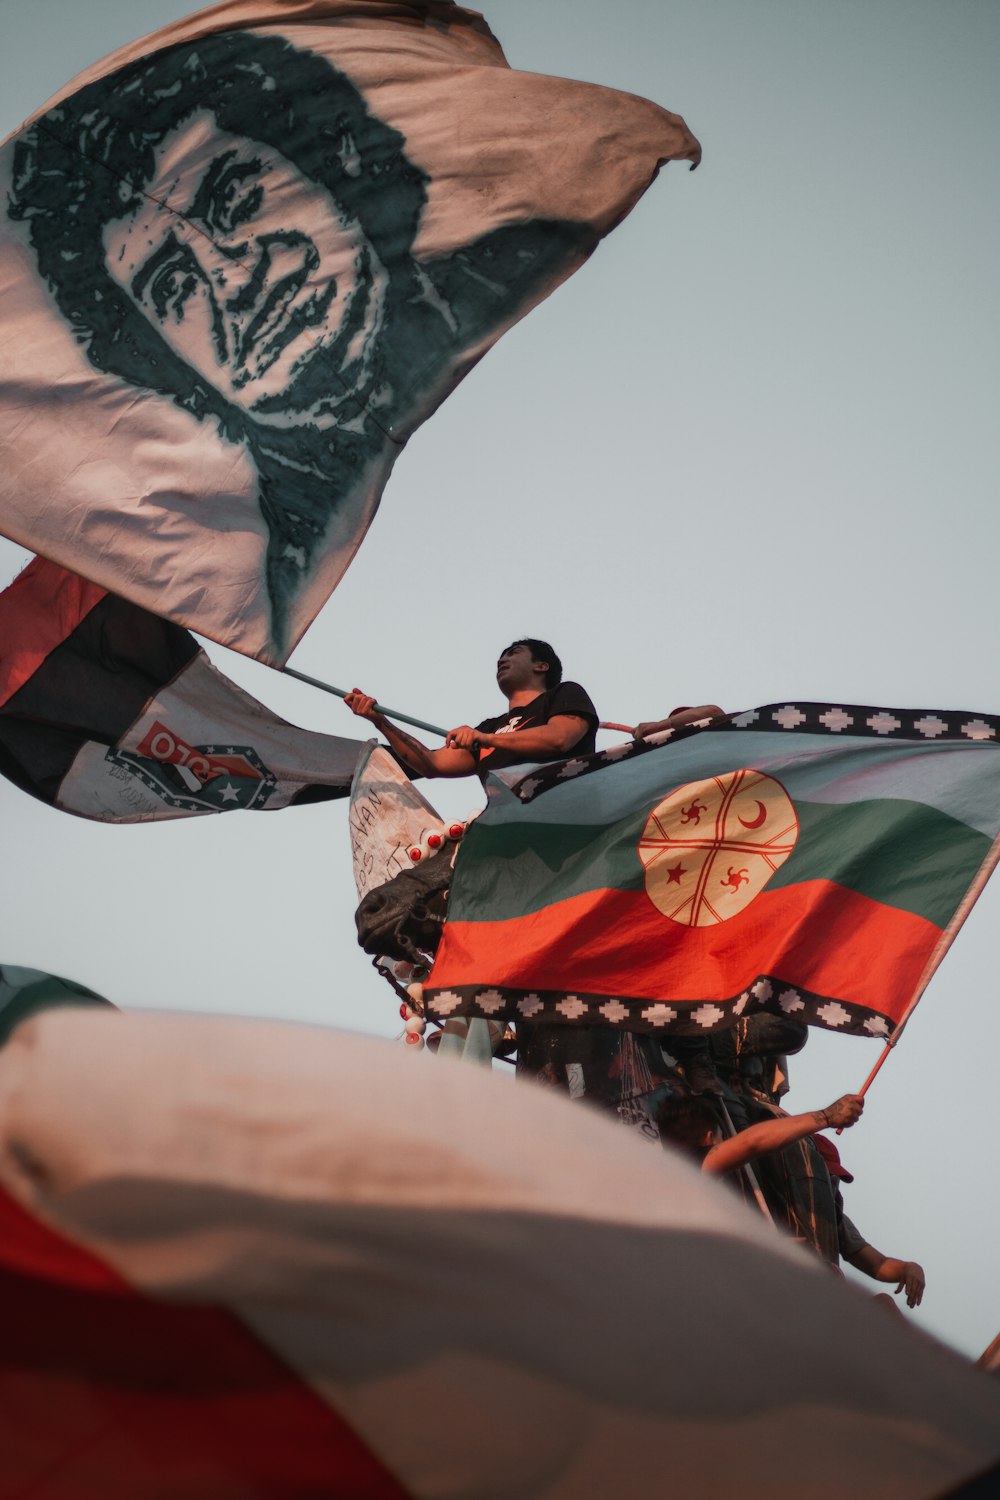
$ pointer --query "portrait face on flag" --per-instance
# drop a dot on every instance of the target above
(282, 322)
(228, 226)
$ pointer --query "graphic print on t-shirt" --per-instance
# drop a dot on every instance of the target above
(569, 698)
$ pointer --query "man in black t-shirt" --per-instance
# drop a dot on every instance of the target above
(546, 720)
(550, 719)
(548, 724)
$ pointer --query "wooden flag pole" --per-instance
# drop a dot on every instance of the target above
(390, 713)
(934, 962)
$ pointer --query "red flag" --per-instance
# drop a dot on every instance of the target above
(109, 712)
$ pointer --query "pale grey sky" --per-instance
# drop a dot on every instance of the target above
(749, 453)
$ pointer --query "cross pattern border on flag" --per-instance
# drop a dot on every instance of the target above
(805, 718)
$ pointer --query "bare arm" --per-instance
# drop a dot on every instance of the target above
(908, 1275)
(558, 736)
(677, 719)
(773, 1135)
(417, 756)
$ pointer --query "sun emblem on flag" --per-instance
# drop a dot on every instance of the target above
(711, 847)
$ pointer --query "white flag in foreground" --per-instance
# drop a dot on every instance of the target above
(245, 1259)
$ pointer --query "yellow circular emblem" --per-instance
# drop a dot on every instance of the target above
(711, 846)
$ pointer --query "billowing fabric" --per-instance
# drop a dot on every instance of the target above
(401, 902)
(809, 859)
(110, 712)
(388, 817)
(242, 260)
(28, 992)
(243, 1260)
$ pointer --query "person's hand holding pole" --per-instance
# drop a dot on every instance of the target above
(844, 1113)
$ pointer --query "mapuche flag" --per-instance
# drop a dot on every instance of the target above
(243, 259)
(811, 859)
(112, 713)
(245, 1260)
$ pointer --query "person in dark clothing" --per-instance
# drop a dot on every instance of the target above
(550, 718)
(855, 1249)
(546, 720)
(751, 1059)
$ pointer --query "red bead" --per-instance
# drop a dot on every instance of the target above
(416, 854)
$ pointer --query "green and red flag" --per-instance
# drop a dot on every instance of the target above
(811, 859)
(112, 713)
(244, 258)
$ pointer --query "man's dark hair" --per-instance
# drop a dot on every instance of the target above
(541, 651)
(683, 1121)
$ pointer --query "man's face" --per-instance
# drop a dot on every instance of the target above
(517, 669)
(255, 277)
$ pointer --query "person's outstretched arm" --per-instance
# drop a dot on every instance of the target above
(677, 720)
(558, 736)
(773, 1135)
(418, 757)
(908, 1274)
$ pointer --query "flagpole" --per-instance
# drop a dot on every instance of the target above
(380, 708)
(936, 958)
(746, 1168)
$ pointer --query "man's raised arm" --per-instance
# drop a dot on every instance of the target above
(558, 736)
(677, 720)
(773, 1135)
(425, 762)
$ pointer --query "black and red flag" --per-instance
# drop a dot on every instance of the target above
(110, 712)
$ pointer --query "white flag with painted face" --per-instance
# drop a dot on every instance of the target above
(243, 259)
